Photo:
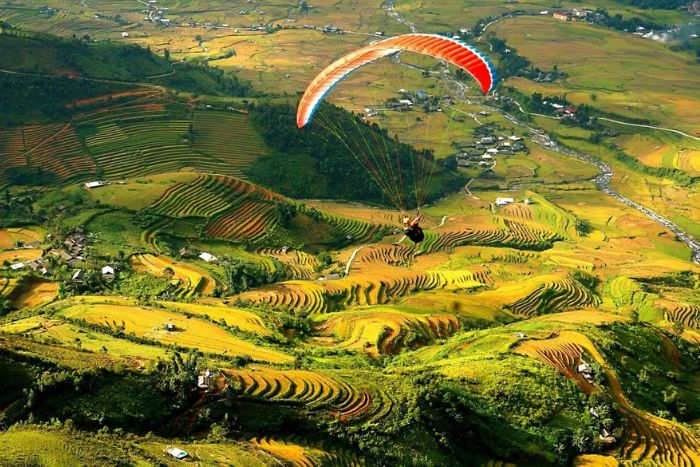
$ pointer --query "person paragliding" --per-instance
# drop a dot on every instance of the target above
(382, 160)
(412, 229)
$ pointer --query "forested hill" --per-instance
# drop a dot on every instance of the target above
(314, 163)
(659, 4)
(41, 71)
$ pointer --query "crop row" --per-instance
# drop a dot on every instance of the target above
(560, 354)
(656, 441)
(358, 230)
(11, 148)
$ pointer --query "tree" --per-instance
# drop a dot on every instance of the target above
(180, 377)
(166, 54)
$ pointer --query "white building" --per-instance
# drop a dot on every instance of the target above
(107, 271)
(17, 266)
(125, 34)
(96, 184)
(209, 258)
(503, 201)
(173, 451)
(406, 102)
(514, 138)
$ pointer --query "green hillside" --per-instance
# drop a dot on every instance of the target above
(185, 273)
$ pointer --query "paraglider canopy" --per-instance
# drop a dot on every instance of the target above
(384, 158)
(452, 50)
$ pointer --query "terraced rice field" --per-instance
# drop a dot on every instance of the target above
(292, 454)
(647, 438)
(375, 286)
(11, 152)
(192, 333)
(301, 265)
(395, 255)
(54, 148)
(190, 279)
(207, 196)
(547, 293)
(305, 387)
(384, 331)
(250, 220)
(686, 314)
(563, 352)
(227, 137)
(512, 233)
(138, 138)
(60, 152)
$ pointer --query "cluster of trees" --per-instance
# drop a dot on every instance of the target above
(18, 210)
(654, 382)
(27, 99)
(318, 162)
(510, 63)
(240, 275)
(620, 23)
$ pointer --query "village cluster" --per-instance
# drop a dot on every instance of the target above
(482, 151)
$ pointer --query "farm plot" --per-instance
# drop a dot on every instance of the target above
(10, 236)
(36, 294)
(190, 279)
(684, 313)
(70, 335)
(208, 195)
(383, 330)
(512, 233)
(192, 333)
(233, 317)
(25, 254)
